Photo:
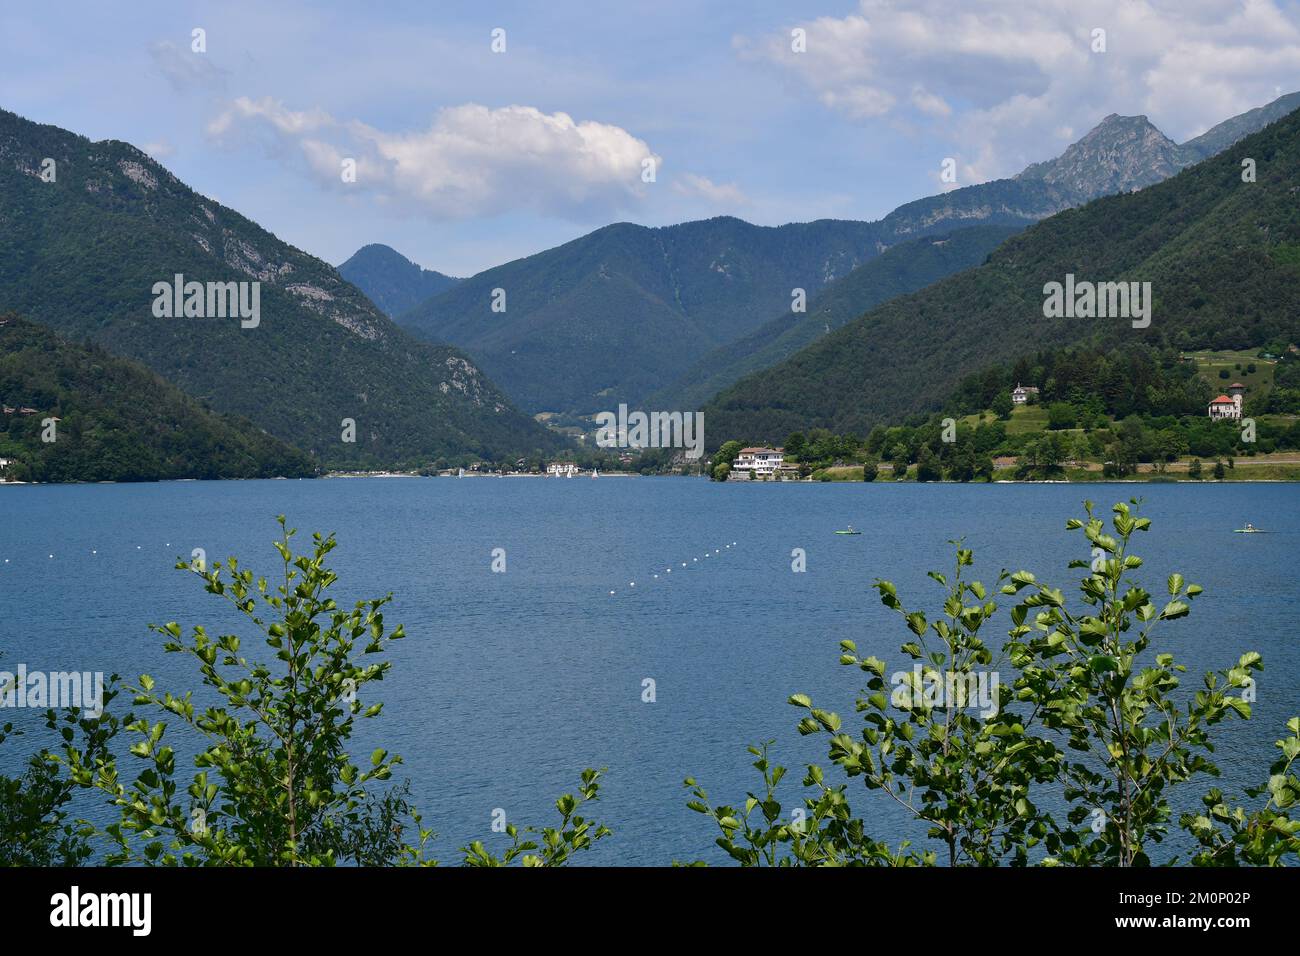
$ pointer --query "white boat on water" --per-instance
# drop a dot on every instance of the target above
(595, 472)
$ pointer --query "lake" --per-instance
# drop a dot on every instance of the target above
(508, 684)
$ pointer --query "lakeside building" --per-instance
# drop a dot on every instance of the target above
(1228, 406)
(1021, 393)
(759, 462)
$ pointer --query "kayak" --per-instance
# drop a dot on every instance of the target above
(848, 532)
(1238, 531)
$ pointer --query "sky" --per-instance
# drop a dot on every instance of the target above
(483, 132)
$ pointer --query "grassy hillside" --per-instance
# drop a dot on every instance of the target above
(82, 254)
(1221, 255)
(118, 420)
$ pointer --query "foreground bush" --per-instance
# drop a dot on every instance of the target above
(275, 784)
(1089, 716)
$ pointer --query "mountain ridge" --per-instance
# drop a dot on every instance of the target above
(82, 253)
(626, 311)
(1222, 254)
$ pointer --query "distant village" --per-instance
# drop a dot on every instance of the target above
(523, 468)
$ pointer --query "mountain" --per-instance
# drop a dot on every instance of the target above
(1120, 154)
(1222, 257)
(615, 314)
(629, 313)
(1218, 138)
(117, 420)
(82, 253)
(392, 281)
(906, 267)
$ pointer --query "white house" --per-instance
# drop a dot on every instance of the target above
(1020, 394)
(1228, 406)
(763, 462)
(562, 469)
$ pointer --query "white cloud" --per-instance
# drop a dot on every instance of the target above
(470, 161)
(1008, 83)
(721, 195)
(158, 149)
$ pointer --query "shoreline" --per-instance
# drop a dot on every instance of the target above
(1161, 480)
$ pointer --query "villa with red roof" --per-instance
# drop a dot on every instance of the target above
(1228, 406)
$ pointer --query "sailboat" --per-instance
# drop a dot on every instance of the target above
(595, 472)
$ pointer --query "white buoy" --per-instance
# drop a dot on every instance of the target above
(611, 592)
(631, 584)
(93, 551)
(51, 556)
(683, 563)
(656, 577)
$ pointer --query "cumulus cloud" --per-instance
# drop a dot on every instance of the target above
(470, 161)
(1010, 83)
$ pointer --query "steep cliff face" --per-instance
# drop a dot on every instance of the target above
(1120, 154)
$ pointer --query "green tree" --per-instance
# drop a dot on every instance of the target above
(1088, 712)
(1002, 405)
(927, 466)
(274, 782)
(1233, 836)
(1086, 672)
(1061, 415)
(36, 828)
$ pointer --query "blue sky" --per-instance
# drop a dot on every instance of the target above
(467, 158)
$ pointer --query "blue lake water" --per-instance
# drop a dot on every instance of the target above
(508, 684)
